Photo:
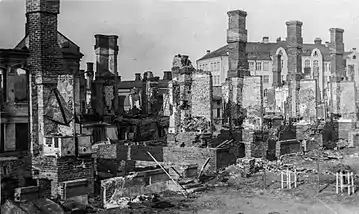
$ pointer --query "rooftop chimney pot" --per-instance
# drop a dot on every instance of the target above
(265, 39)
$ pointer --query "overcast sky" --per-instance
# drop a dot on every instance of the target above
(153, 31)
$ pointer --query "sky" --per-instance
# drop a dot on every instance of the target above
(151, 32)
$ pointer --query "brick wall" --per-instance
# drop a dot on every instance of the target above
(294, 52)
(237, 41)
(202, 95)
(287, 147)
(336, 53)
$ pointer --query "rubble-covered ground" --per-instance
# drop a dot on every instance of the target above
(233, 193)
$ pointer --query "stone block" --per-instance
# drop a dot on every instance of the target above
(84, 144)
(76, 190)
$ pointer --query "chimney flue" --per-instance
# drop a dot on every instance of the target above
(265, 39)
(318, 41)
(137, 76)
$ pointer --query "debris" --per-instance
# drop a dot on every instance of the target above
(185, 192)
(203, 168)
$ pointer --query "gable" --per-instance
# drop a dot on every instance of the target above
(62, 41)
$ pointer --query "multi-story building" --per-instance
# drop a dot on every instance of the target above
(261, 58)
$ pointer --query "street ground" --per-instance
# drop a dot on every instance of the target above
(235, 194)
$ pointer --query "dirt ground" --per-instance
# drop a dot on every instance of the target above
(248, 196)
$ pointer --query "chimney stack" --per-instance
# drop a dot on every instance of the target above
(208, 51)
(318, 41)
(294, 52)
(147, 75)
(279, 39)
(265, 40)
(327, 44)
(336, 48)
(106, 50)
(237, 42)
(167, 75)
(137, 76)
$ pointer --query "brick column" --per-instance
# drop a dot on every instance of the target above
(336, 48)
(202, 96)
(238, 68)
(106, 50)
(45, 64)
(294, 52)
(237, 42)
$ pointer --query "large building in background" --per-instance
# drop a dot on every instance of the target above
(261, 58)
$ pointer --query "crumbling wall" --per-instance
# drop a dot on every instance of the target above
(308, 100)
(202, 95)
(252, 102)
(113, 189)
(343, 100)
(287, 147)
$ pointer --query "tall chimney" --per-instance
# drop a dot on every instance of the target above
(46, 66)
(265, 40)
(167, 75)
(318, 41)
(237, 42)
(336, 48)
(294, 52)
(106, 50)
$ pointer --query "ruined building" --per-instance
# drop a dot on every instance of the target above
(41, 83)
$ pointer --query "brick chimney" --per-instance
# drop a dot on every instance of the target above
(137, 76)
(237, 42)
(318, 41)
(147, 75)
(167, 75)
(265, 40)
(294, 52)
(45, 64)
(106, 50)
(336, 48)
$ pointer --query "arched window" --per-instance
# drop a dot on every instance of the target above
(307, 63)
(20, 86)
(354, 57)
(315, 53)
(315, 63)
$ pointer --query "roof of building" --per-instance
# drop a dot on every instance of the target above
(67, 46)
(263, 51)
